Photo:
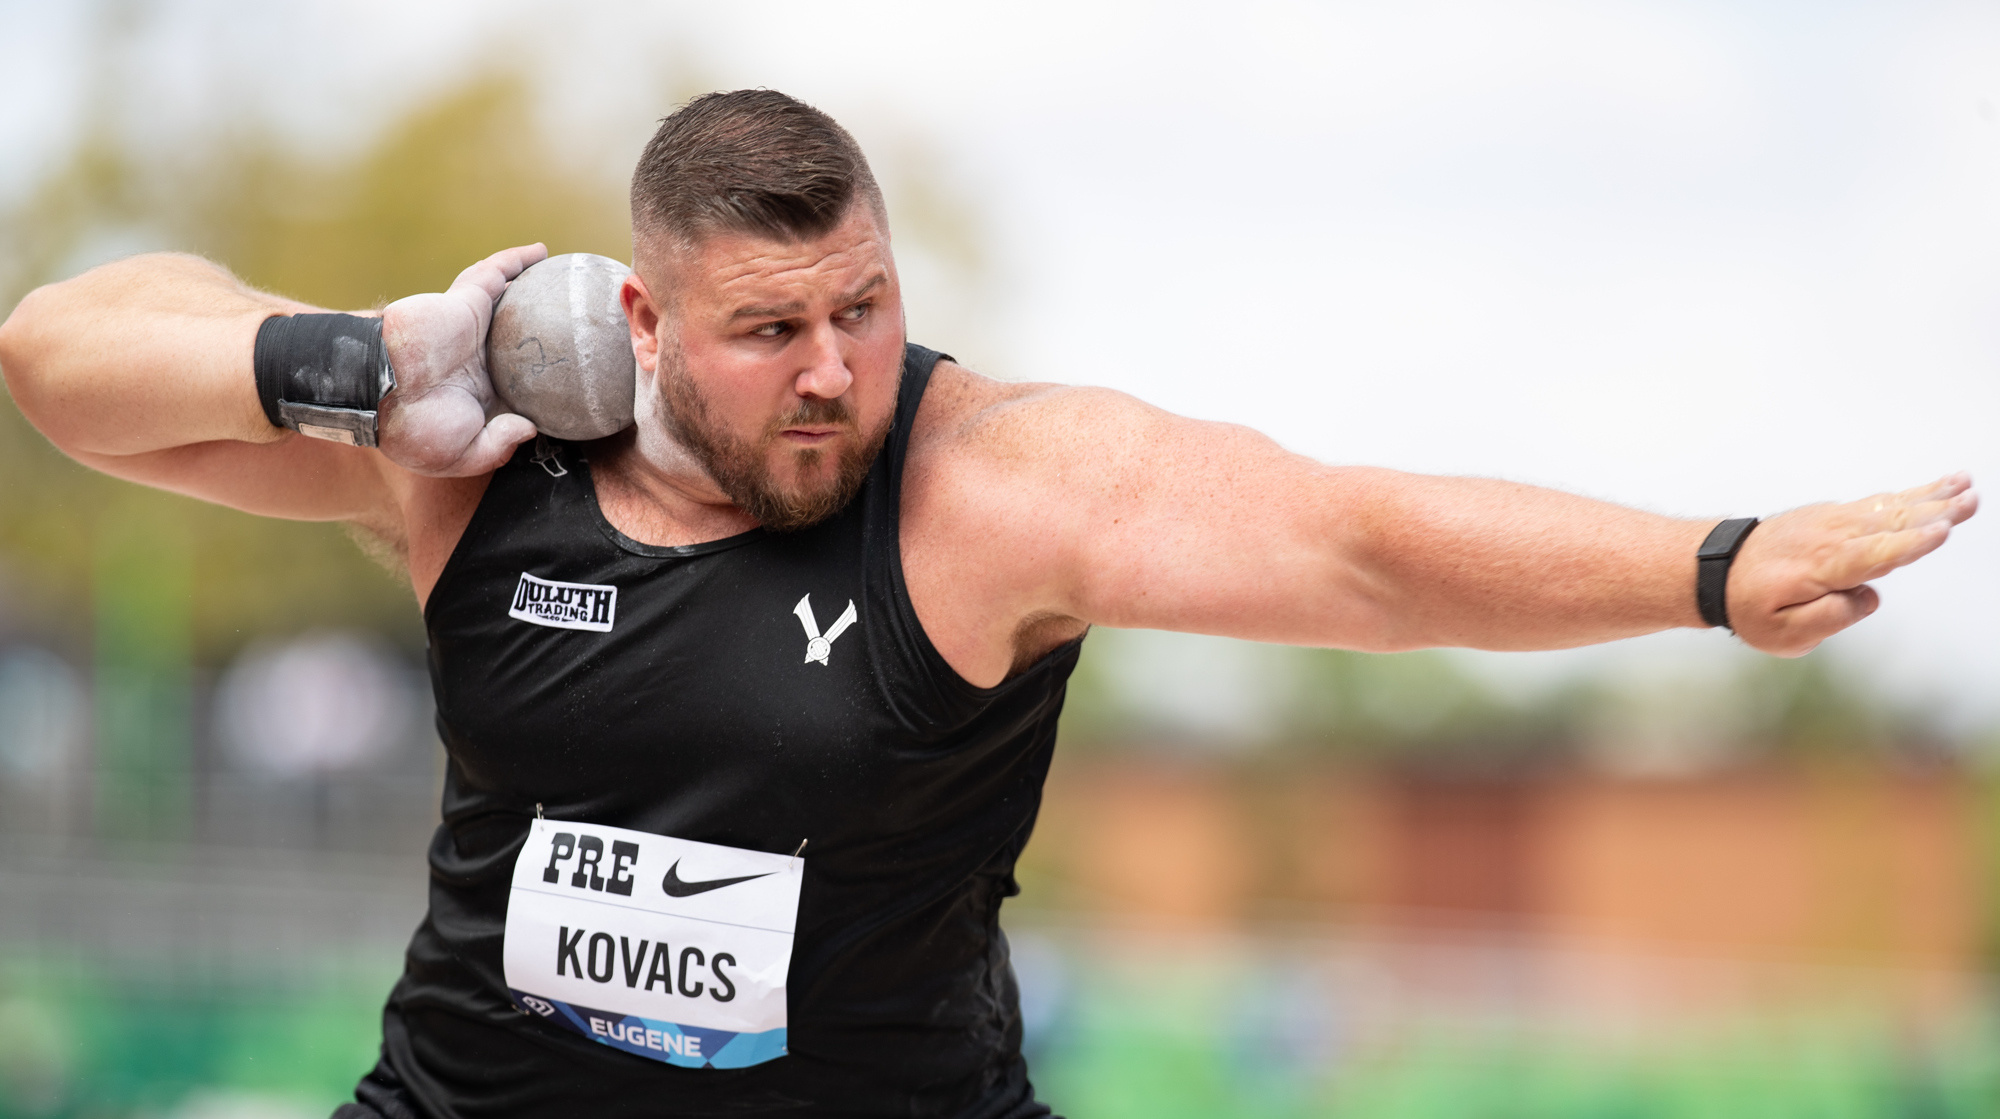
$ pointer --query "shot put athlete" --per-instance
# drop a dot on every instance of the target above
(748, 706)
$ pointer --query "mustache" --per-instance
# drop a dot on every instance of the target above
(816, 411)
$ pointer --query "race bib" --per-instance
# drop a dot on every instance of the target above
(664, 948)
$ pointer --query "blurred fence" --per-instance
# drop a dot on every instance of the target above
(322, 743)
(1237, 935)
(206, 879)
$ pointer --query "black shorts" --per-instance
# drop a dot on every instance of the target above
(383, 1095)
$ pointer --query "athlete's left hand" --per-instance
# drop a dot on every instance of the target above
(1802, 576)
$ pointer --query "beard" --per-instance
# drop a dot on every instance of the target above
(742, 468)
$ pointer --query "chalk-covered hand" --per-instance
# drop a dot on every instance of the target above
(1802, 576)
(440, 420)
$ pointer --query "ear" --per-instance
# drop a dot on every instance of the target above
(642, 314)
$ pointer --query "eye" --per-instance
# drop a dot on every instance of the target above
(771, 330)
(853, 314)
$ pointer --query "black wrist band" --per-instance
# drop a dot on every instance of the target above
(1711, 579)
(323, 375)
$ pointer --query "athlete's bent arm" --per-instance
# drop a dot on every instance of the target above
(142, 369)
(1116, 513)
(140, 355)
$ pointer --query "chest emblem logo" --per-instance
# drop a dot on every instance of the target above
(818, 645)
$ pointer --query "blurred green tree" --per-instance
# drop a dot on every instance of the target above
(1430, 709)
(1817, 706)
(1424, 705)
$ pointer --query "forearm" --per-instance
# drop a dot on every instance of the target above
(1497, 565)
(140, 356)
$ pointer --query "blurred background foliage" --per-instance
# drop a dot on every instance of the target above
(1436, 709)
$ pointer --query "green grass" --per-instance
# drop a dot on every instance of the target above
(1153, 1043)
(129, 1039)
(1157, 1041)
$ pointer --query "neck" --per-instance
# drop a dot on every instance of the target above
(652, 489)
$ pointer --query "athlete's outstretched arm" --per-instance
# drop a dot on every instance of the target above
(1116, 513)
(142, 369)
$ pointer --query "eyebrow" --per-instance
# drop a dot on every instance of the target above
(786, 310)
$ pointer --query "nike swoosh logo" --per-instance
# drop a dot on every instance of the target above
(676, 888)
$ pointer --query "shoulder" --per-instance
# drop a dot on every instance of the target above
(1019, 467)
(1021, 502)
(968, 422)
(1035, 469)
(980, 502)
(1000, 442)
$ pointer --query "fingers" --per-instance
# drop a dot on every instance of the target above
(1952, 510)
(1964, 506)
(1896, 518)
(1949, 486)
(444, 433)
(1888, 531)
(493, 446)
(1898, 529)
(1871, 557)
(492, 274)
(1950, 496)
(517, 260)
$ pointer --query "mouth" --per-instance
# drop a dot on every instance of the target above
(811, 435)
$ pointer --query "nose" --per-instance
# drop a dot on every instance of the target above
(826, 375)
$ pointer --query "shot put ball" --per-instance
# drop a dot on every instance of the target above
(559, 351)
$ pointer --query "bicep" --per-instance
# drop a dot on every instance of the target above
(140, 355)
(1208, 528)
(1132, 517)
(1216, 529)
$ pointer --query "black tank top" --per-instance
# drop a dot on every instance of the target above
(697, 714)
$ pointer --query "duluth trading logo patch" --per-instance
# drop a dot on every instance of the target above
(564, 605)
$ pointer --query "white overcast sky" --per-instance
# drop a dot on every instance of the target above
(1703, 258)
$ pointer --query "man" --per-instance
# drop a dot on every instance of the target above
(799, 636)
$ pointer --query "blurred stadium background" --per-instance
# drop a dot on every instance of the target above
(1676, 881)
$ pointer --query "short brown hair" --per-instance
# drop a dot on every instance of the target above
(748, 161)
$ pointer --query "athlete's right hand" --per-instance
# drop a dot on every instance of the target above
(440, 419)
